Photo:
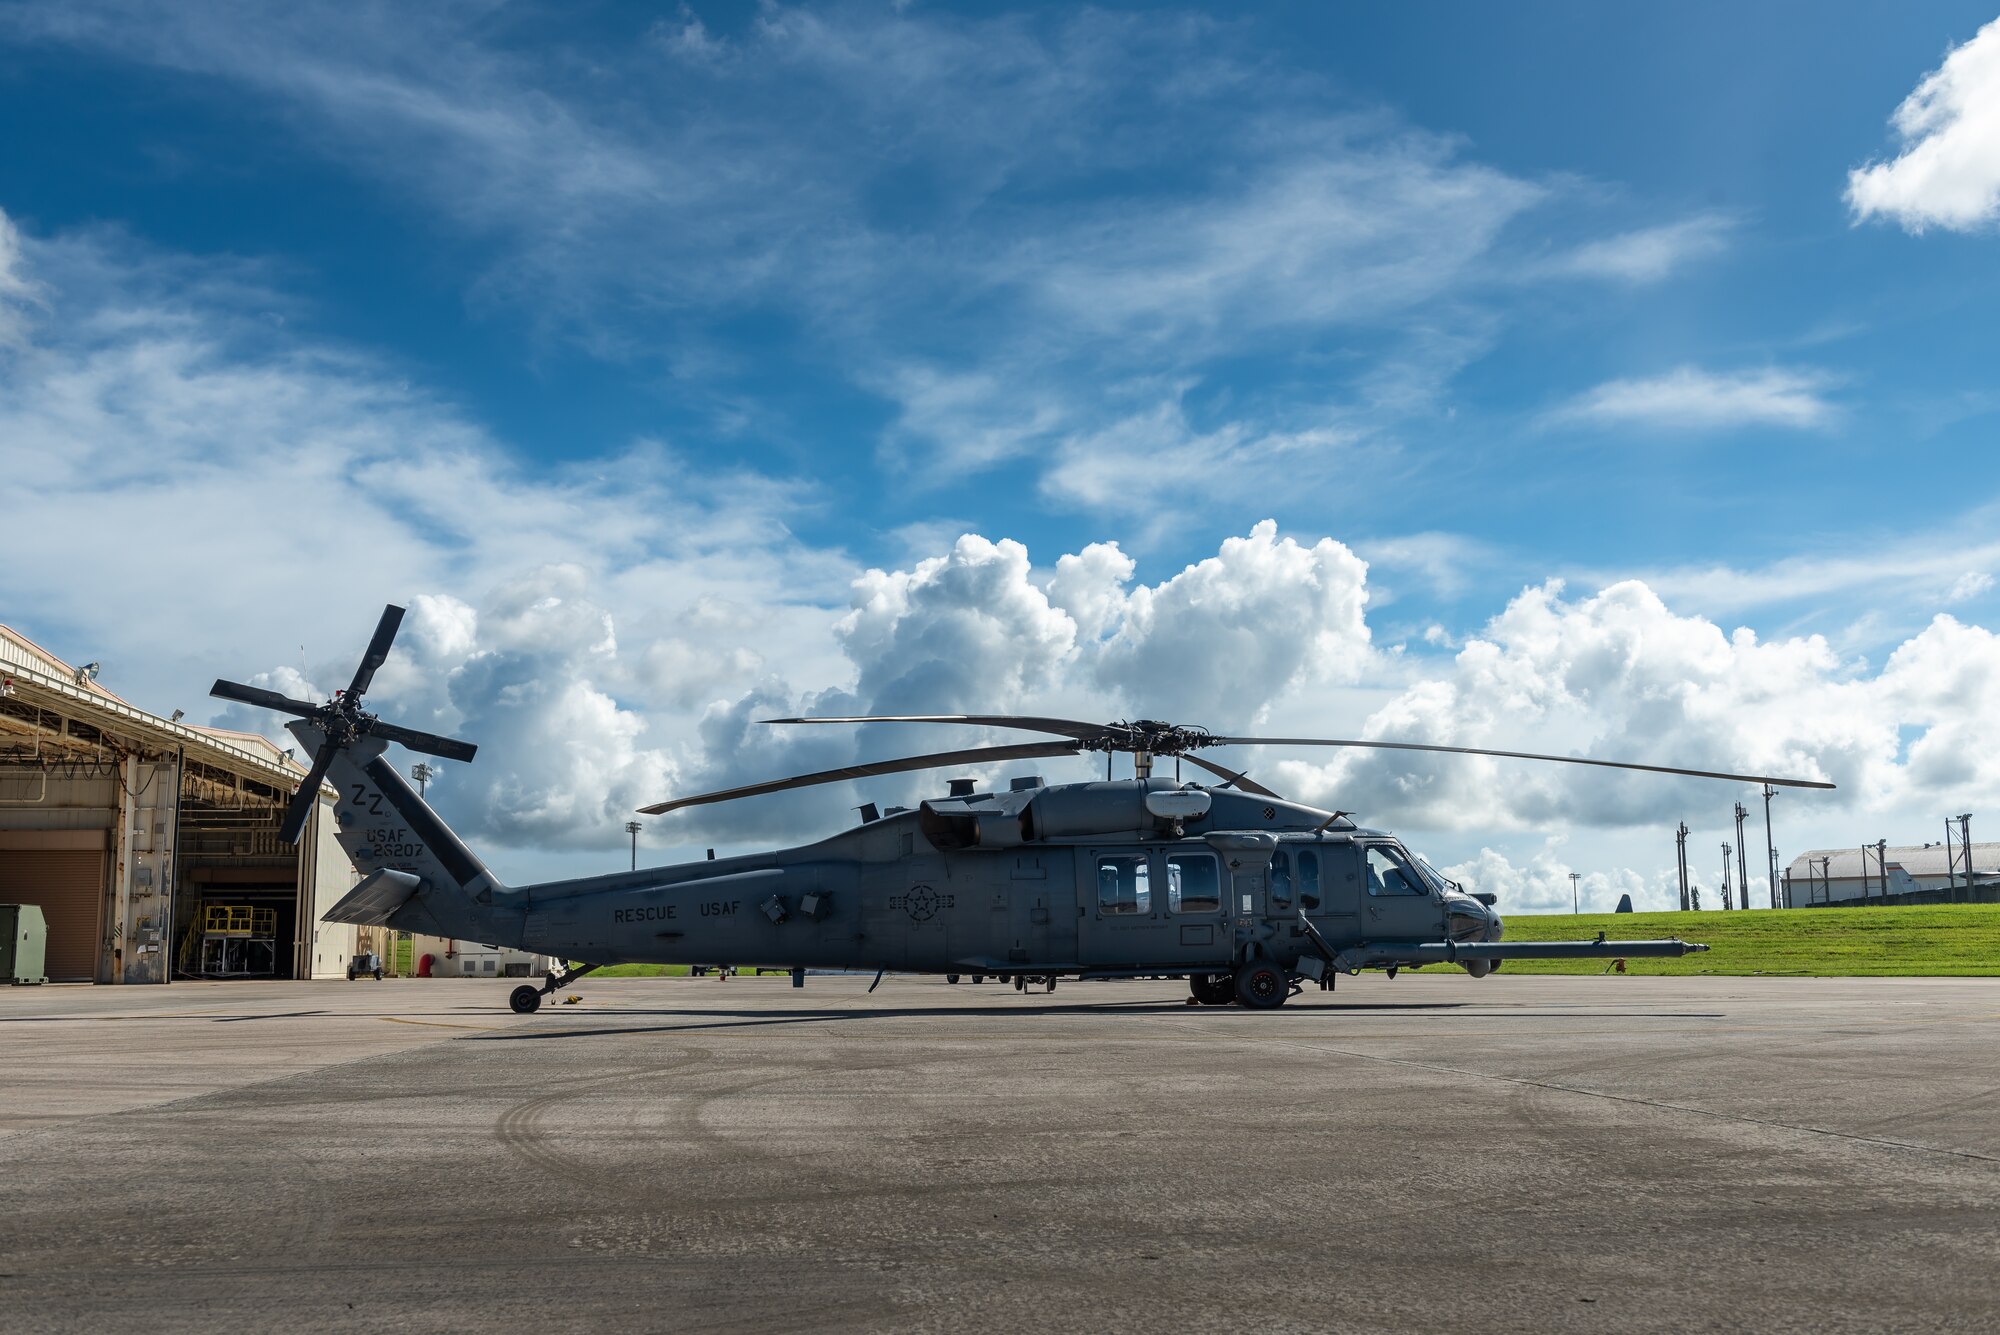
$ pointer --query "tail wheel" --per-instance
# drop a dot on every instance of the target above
(1212, 989)
(525, 1000)
(1262, 985)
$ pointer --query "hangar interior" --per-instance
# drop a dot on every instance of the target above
(151, 845)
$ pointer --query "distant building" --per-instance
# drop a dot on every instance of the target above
(1914, 874)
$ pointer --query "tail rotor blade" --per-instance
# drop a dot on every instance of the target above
(450, 748)
(263, 699)
(378, 650)
(301, 805)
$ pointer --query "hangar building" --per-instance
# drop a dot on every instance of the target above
(152, 845)
(1915, 874)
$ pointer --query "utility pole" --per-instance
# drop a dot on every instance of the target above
(1575, 904)
(423, 774)
(1882, 864)
(1681, 857)
(1742, 867)
(1965, 845)
(1826, 877)
(1725, 875)
(632, 827)
(1770, 849)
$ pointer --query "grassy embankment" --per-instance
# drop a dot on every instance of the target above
(1931, 939)
(1926, 939)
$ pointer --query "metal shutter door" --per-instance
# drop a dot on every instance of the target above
(69, 886)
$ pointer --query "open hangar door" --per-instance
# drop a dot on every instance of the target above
(232, 860)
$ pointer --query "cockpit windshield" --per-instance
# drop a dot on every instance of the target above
(1431, 874)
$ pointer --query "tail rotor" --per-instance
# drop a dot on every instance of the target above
(342, 721)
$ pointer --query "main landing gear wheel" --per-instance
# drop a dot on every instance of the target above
(525, 1000)
(1262, 985)
(1212, 989)
(951, 978)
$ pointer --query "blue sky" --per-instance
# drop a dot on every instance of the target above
(681, 319)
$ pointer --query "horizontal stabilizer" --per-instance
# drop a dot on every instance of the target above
(376, 899)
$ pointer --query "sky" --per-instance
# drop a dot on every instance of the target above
(1591, 379)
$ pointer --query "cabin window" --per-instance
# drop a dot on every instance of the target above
(1281, 882)
(1194, 883)
(1388, 877)
(1309, 880)
(1124, 884)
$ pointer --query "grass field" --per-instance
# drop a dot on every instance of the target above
(1933, 939)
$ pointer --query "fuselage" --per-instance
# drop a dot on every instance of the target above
(1080, 878)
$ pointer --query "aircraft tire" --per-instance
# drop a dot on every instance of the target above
(951, 978)
(525, 1000)
(1212, 989)
(1262, 985)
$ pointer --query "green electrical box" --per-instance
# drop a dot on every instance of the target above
(24, 943)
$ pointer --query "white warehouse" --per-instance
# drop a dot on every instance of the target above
(1842, 875)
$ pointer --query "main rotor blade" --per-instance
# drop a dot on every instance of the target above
(1062, 727)
(299, 809)
(427, 742)
(378, 650)
(263, 699)
(975, 756)
(1520, 755)
(1242, 781)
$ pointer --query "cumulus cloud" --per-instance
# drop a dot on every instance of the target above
(1222, 640)
(1692, 399)
(1948, 172)
(1542, 885)
(1619, 676)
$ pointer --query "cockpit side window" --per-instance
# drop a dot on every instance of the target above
(1389, 875)
(1281, 882)
(1124, 884)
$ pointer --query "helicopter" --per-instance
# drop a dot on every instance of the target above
(1246, 895)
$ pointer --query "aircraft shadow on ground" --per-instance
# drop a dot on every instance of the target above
(742, 1019)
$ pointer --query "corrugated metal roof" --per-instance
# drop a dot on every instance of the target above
(35, 669)
(1921, 861)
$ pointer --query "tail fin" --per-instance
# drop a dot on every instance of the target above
(416, 874)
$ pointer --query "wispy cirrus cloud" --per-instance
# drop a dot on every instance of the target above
(1023, 234)
(1691, 399)
(1948, 172)
(1648, 254)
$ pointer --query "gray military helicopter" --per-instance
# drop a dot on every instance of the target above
(1245, 894)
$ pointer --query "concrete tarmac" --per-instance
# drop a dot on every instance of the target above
(1508, 1154)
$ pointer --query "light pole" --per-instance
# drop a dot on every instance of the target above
(1742, 862)
(1575, 904)
(423, 774)
(1770, 849)
(1681, 856)
(632, 827)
